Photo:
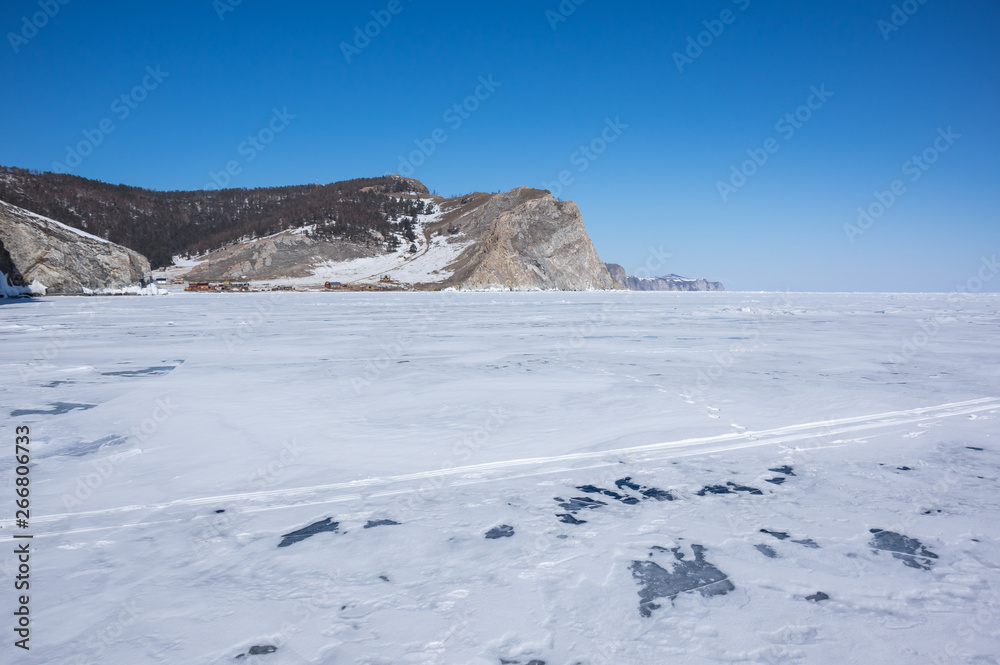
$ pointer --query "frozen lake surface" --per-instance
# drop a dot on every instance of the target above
(600, 478)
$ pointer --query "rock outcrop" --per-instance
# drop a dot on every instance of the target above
(664, 283)
(59, 260)
(11, 282)
(525, 239)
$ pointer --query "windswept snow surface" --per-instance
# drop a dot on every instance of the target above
(478, 478)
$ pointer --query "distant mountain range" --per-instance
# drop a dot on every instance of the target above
(663, 283)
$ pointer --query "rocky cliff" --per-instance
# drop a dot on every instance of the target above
(528, 240)
(11, 282)
(664, 283)
(59, 260)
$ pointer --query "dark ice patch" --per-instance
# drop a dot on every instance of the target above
(697, 575)
(728, 488)
(258, 651)
(147, 371)
(627, 482)
(817, 597)
(974, 448)
(908, 550)
(787, 470)
(767, 551)
(579, 503)
(58, 409)
(780, 535)
(590, 489)
(502, 531)
(567, 518)
(308, 532)
(904, 468)
(657, 494)
(374, 523)
(807, 542)
(93, 446)
(775, 481)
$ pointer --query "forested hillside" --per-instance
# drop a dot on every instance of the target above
(161, 225)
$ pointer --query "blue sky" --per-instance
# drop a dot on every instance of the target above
(558, 80)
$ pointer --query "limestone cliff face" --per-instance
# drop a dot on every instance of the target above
(664, 283)
(63, 260)
(529, 240)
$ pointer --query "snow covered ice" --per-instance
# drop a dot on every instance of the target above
(487, 478)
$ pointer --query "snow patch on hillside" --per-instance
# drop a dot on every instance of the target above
(427, 264)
